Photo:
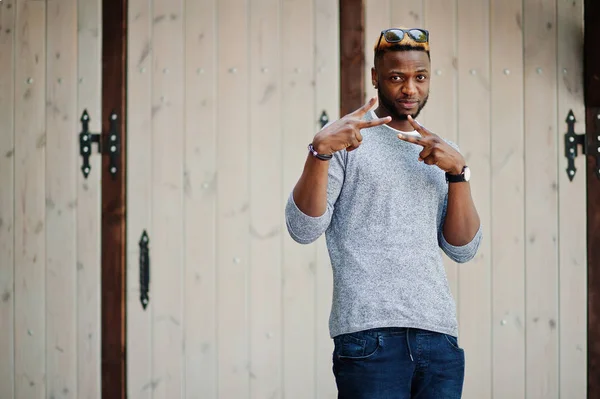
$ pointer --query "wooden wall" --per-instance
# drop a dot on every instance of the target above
(505, 75)
(223, 99)
(50, 69)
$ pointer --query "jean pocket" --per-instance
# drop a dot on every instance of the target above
(453, 342)
(356, 346)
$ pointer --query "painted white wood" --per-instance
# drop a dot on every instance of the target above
(7, 168)
(507, 203)
(572, 281)
(233, 215)
(474, 298)
(61, 199)
(541, 201)
(30, 217)
(440, 20)
(377, 18)
(200, 201)
(167, 198)
(140, 107)
(327, 99)
(89, 79)
(266, 206)
(299, 262)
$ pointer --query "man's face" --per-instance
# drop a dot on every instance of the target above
(402, 81)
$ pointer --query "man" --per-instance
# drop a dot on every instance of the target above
(389, 194)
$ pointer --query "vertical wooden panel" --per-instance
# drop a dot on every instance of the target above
(266, 207)
(61, 204)
(167, 196)
(299, 261)
(327, 99)
(7, 87)
(406, 13)
(233, 216)
(507, 163)
(572, 215)
(140, 101)
(440, 20)
(541, 206)
(377, 18)
(474, 140)
(30, 238)
(88, 205)
(200, 200)
(352, 25)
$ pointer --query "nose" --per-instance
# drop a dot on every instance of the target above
(409, 89)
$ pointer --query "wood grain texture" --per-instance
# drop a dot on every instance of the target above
(7, 170)
(377, 18)
(30, 215)
(140, 382)
(89, 54)
(352, 62)
(507, 201)
(299, 261)
(61, 199)
(200, 200)
(474, 278)
(233, 193)
(541, 201)
(572, 210)
(167, 198)
(114, 56)
(266, 207)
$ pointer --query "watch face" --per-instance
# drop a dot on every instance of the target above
(467, 174)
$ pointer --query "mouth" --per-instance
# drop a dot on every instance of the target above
(408, 104)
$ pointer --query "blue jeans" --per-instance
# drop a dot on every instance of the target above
(398, 363)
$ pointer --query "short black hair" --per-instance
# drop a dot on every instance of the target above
(398, 47)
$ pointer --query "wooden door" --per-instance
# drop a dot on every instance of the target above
(223, 99)
(505, 75)
(50, 71)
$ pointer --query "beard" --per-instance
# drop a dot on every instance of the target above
(390, 105)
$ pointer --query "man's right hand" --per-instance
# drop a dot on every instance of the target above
(345, 132)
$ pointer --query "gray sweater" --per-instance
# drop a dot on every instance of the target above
(383, 228)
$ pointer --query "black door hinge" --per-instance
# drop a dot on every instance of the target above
(144, 269)
(107, 144)
(588, 147)
(323, 119)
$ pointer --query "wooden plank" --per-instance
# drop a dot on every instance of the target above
(7, 170)
(114, 56)
(266, 207)
(200, 201)
(89, 205)
(571, 200)
(233, 216)
(440, 20)
(352, 25)
(507, 209)
(377, 18)
(167, 198)
(30, 215)
(407, 13)
(140, 382)
(326, 99)
(541, 201)
(299, 261)
(61, 199)
(474, 279)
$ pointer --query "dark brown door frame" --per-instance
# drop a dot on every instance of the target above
(592, 104)
(114, 84)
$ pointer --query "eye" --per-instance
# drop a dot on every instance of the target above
(396, 78)
(421, 77)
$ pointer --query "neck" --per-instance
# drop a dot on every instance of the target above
(399, 124)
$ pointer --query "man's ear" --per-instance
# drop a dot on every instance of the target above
(374, 77)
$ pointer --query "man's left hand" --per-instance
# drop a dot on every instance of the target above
(436, 151)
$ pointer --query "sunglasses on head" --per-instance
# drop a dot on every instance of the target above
(396, 35)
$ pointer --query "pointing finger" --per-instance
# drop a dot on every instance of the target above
(375, 122)
(365, 108)
(412, 139)
(418, 127)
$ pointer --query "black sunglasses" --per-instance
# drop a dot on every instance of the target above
(396, 35)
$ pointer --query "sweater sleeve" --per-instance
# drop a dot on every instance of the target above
(306, 229)
(464, 253)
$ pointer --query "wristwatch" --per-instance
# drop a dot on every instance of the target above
(464, 176)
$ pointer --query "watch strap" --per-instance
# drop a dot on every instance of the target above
(450, 178)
